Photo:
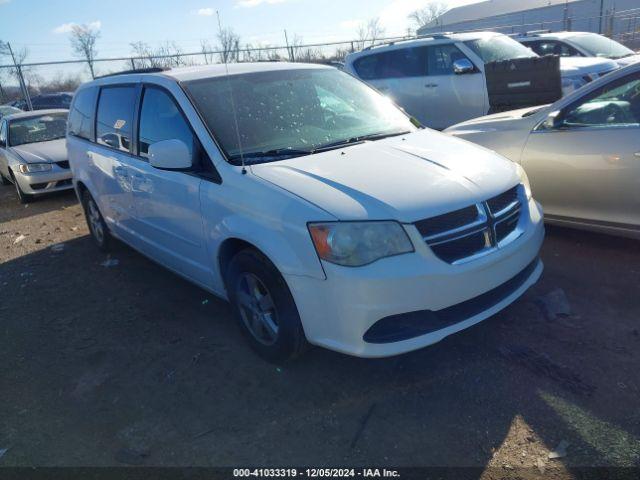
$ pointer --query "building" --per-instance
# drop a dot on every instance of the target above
(616, 18)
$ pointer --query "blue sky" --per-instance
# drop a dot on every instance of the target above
(43, 25)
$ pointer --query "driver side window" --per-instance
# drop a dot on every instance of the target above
(614, 105)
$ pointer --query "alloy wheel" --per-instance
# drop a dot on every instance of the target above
(257, 308)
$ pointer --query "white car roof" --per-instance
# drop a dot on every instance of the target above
(435, 39)
(555, 35)
(185, 74)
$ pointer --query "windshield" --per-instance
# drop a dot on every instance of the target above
(37, 129)
(499, 48)
(292, 112)
(600, 46)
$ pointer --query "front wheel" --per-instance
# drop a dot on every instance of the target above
(264, 307)
(95, 221)
(23, 197)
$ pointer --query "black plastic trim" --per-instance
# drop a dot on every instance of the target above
(397, 328)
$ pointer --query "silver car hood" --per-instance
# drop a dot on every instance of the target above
(42, 152)
(408, 178)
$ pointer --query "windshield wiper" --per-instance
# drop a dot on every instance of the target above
(356, 140)
(275, 153)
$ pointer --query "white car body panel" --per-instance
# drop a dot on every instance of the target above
(440, 101)
(182, 221)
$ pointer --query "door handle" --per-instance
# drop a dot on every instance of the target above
(431, 85)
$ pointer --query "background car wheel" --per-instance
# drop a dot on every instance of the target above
(4, 181)
(264, 307)
(23, 197)
(95, 221)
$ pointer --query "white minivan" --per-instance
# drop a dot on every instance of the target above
(440, 79)
(308, 200)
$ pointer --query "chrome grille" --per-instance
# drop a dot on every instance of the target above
(471, 232)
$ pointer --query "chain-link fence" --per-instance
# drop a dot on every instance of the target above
(66, 75)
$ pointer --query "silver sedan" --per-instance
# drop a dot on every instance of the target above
(582, 154)
(33, 153)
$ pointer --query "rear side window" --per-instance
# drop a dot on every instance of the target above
(399, 63)
(161, 119)
(114, 122)
(81, 115)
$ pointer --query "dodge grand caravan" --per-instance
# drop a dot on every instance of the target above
(308, 200)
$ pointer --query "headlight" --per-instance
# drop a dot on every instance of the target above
(571, 84)
(524, 179)
(354, 244)
(34, 167)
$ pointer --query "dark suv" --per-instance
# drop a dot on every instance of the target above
(46, 101)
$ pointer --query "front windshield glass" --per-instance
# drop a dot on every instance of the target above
(600, 46)
(292, 112)
(499, 48)
(37, 129)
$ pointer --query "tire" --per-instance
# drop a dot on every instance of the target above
(24, 198)
(95, 221)
(4, 181)
(261, 300)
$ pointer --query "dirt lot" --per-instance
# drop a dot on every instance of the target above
(130, 364)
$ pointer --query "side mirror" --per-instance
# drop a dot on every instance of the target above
(170, 155)
(463, 66)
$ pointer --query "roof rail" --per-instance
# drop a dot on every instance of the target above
(435, 36)
(533, 33)
(137, 70)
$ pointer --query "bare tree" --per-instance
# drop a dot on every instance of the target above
(206, 49)
(83, 43)
(369, 32)
(20, 55)
(167, 55)
(424, 16)
(229, 46)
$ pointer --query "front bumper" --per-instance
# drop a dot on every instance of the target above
(338, 312)
(57, 179)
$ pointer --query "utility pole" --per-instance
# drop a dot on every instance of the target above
(601, 16)
(23, 85)
(289, 49)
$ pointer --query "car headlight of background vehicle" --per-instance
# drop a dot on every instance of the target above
(34, 167)
(354, 244)
(524, 179)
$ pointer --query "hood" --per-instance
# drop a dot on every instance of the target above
(42, 152)
(408, 178)
(581, 66)
(626, 61)
(503, 117)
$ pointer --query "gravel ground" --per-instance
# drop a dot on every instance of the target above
(131, 365)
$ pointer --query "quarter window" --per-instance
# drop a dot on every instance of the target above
(114, 123)
(81, 115)
(161, 119)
